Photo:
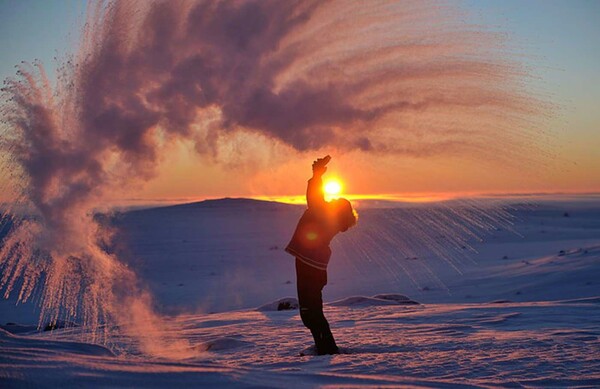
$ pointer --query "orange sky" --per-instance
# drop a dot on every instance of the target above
(563, 156)
(573, 166)
(257, 167)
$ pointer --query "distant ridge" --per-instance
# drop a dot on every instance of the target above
(231, 203)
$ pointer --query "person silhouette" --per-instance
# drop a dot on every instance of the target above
(316, 228)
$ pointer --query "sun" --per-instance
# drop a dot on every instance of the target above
(332, 188)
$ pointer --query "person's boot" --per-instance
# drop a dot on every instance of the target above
(331, 347)
(326, 345)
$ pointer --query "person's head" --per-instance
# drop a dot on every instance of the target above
(345, 216)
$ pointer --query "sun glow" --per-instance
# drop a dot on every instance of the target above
(332, 189)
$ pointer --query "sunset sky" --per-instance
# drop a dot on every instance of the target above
(559, 41)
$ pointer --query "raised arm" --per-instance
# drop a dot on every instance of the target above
(315, 198)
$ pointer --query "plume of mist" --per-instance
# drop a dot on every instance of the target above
(405, 77)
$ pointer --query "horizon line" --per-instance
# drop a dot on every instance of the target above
(394, 197)
(390, 197)
(414, 198)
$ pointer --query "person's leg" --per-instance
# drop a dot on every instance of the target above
(310, 282)
(307, 297)
(326, 343)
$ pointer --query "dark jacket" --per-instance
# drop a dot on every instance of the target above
(315, 230)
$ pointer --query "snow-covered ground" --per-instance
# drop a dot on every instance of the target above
(522, 308)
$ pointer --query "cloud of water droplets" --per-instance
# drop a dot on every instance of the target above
(403, 78)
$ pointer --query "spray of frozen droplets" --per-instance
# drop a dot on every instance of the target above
(417, 242)
(381, 77)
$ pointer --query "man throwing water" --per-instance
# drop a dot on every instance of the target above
(318, 225)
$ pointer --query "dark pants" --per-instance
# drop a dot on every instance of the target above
(310, 282)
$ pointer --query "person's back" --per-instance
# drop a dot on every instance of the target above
(310, 245)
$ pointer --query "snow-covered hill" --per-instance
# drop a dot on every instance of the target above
(519, 308)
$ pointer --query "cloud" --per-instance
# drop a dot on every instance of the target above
(307, 74)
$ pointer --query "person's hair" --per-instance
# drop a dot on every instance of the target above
(345, 215)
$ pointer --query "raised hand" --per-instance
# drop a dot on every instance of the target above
(319, 167)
